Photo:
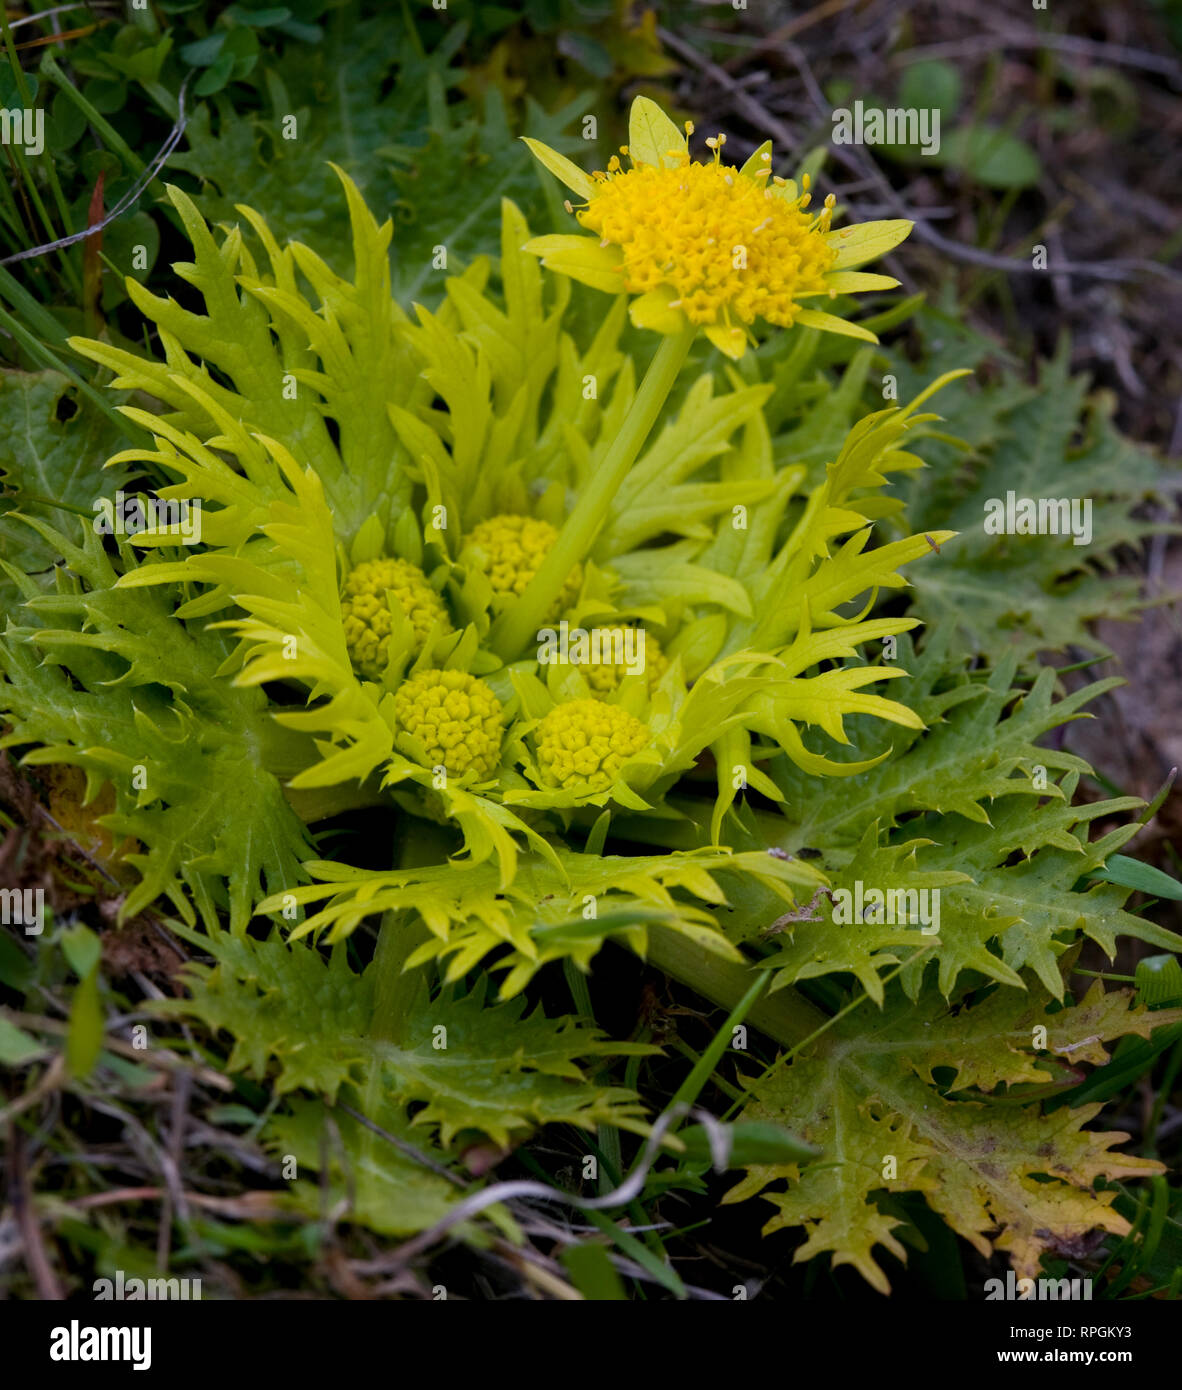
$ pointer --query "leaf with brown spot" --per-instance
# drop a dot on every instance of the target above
(1003, 1176)
(993, 1043)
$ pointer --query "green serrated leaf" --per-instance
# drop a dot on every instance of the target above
(53, 444)
(375, 1185)
(465, 1065)
(1029, 593)
(1004, 1177)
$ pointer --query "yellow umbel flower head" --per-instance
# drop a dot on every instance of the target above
(709, 245)
(367, 619)
(604, 677)
(722, 242)
(455, 717)
(509, 550)
(583, 744)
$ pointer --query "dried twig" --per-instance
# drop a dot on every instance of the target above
(403, 1147)
(1114, 53)
(25, 1212)
(499, 1192)
(157, 1057)
(128, 199)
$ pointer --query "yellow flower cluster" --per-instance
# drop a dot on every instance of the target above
(367, 619)
(456, 718)
(604, 677)
(719, 239)
(583, 744)
(509, 550)
(708, 248)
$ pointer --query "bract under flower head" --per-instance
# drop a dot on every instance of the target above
(709, 245)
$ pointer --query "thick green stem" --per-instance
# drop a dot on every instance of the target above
(398, 990)
(314, 804)
(401, 933)
(518, 626)
(786, 1016)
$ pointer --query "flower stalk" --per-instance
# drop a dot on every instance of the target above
(786, 1016)
(518, 626)
(399, 990)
